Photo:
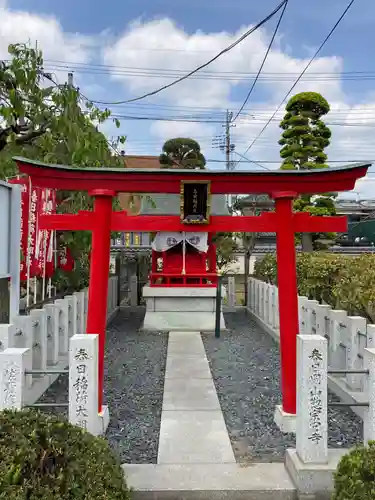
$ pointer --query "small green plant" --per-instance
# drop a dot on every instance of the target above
(44, 457)
(354, 478)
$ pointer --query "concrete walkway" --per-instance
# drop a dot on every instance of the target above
(195, 456)
(192, 429)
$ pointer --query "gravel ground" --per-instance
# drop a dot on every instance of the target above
(133, 387)
(245, 366)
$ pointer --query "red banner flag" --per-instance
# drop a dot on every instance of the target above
(45, 239)
(25, 199)
(50, 260)
(33, 244)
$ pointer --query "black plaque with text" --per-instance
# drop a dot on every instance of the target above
(195, 202)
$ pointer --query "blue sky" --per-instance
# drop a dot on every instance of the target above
(178, 35)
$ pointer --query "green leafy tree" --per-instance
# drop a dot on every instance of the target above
(182, 153)
(53, 123)
(305, 134)
(304, 138)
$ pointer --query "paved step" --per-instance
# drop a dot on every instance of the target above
(210, 482)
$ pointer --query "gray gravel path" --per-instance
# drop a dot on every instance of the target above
(133, 387)
(245, 366)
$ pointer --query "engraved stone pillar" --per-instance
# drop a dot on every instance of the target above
(13, 364)
(311, 435)
(83, 385)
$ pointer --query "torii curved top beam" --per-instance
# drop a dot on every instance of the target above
(168, 181)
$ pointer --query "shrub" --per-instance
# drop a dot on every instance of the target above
(44, 457)
(339, 280)
(355, 475)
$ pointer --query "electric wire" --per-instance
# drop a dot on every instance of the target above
(300, 76)
(263, 62)
(184, 77)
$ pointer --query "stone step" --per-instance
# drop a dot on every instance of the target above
(262, 481)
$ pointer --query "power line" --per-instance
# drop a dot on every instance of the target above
(300, 76)
(236, 74)
(263, 62)
(224, 51)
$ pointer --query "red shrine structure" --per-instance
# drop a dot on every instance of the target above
(283, 186)
(184, 265)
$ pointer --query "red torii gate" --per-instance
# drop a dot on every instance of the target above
(282, 185)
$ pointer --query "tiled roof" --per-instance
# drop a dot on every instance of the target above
(132, 161)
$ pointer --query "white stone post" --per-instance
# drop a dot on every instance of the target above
(302, 314)
(13, 364)
(271, 306)
(231, 292)
(80, 297)
(369, 390)
(249, 295)
(69, 300)
(370, 336)
(74, 314)
(86, 305)
(356, 325)
(312, 425)
(7, 336)
(266, 302)
(39, 319)
(257, 297)
(83, 384)
(337, 319)
(261, 300)
(63, 306)
(322, 320)
(310, 318)
(53, 333)
(276, 317)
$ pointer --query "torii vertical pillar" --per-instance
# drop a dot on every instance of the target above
(99, 270)
(288, 302)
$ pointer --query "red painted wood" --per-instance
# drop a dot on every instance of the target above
(288, 302)
(85, 221)
(99, 271)
(163, 181)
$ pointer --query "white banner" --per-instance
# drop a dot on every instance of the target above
(164, 241)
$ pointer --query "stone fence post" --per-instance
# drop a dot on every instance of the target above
(83, 384)
(312, 425)
(13, 364)
(369, 389)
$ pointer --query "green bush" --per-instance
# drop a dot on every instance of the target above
(355, 475)
(44, 457)
(341, 281)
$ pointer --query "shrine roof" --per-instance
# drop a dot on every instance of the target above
(168, 180)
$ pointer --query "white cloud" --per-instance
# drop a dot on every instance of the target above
(44, 31)
(191, 50)
(131, 50)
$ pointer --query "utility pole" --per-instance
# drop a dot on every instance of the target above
(228, 146)
(225, 144)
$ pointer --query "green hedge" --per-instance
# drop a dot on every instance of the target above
(341, 281)
(43, 457)
(354, 478)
